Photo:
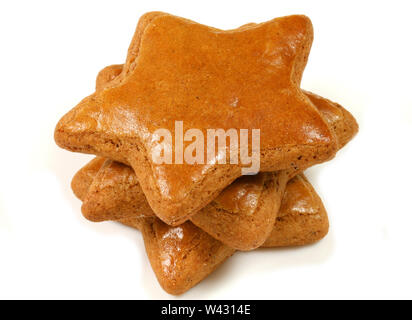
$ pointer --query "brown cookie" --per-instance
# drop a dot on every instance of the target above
(114, 193)
(242, 216)
(340, 120)
(182, 256)
(178, 70)
(107, 75)
(83, 179)
(302, 218)
(247, 207)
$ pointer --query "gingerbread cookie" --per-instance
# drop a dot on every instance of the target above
(302, 218)
(243, 214)
(178, 70)
(182, 256)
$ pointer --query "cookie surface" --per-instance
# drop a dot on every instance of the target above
(115, 193)
(244, 213)
(182, 256)
(241, 216)
(302, 218)
(183, 71)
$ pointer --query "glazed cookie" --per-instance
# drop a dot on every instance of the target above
(302, 218)
(114, 193)
(178, 70)
(242, 216)
(182, 256)
(341, 121)
(247, 207)
(83, 179)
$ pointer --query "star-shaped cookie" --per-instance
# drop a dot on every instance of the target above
(178, 70)
(182, 256)
(243, 214)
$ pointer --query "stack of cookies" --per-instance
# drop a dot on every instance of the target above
(193, 203)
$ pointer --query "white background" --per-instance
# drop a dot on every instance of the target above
(50, 53)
